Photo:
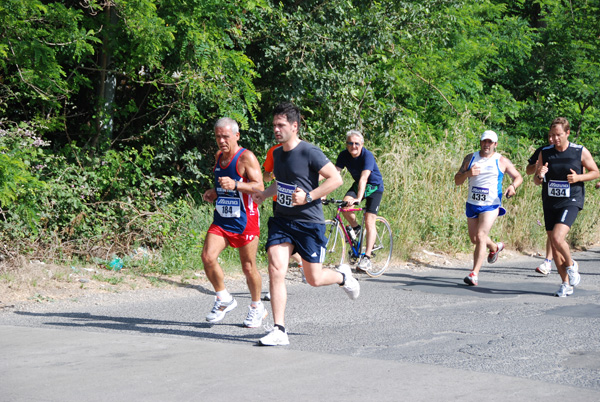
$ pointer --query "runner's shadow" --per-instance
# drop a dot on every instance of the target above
(199, 288)
(452, 286)
(140, 325)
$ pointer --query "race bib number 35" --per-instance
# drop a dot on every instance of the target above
(284, 194)
(228, 207)
(559, 188)
(479, 193)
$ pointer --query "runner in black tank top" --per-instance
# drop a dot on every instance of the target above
(560, 169)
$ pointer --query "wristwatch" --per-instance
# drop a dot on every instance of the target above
(308, 198)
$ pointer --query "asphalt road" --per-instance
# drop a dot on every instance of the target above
(414, 334)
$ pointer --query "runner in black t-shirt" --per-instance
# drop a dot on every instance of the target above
(298, 224)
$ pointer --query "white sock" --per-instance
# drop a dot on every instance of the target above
(224, 296)
(255, 304)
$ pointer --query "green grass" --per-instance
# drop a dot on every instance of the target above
(113, 280)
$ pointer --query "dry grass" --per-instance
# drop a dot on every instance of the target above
(425, 208)
(23, 281)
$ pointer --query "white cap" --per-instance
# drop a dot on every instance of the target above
(489, 135)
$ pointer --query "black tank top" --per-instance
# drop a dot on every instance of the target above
(557, 191)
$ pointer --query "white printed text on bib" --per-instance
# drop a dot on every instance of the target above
(228, 207)
(284, 194)
(479, 194)
(559, 188)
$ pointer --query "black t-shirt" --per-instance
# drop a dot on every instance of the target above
(535, 155)
(298, 168)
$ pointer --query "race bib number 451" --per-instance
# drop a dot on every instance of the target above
(559, 188)
(228, 207)
(284, 194)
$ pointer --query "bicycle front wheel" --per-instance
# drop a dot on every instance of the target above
(336, 246)
(382, 249)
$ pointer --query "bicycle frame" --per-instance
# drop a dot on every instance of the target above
(338, 237)
(340, 221)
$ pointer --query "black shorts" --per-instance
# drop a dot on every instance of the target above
(566, 216)
(373, 200)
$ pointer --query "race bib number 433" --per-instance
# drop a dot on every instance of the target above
(228, 207)
(284, 194)
(479, 193)
(559, 188)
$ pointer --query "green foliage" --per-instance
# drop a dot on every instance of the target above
(40, 45)
(18, 185)
(126, 92)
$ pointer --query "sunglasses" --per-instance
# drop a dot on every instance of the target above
(350, 143)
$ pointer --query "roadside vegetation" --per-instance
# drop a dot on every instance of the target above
(106, 113)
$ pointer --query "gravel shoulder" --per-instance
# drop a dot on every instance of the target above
(35, 282)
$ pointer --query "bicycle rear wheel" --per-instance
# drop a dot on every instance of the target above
(382, 249)
(336, 246)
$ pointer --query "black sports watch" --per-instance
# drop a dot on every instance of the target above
(308, 198)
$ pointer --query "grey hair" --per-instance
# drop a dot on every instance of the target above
(355, 133)
(227, 122)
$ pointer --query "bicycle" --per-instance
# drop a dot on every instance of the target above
(338, 237)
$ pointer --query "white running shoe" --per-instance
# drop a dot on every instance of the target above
(564, 290)
(493, 257)
(255, 316)
(267, 297)
(471, 279)
(365, 263)
(351, 285)
(276, 337)
(220, 309)
(544, 268)
(573, 272)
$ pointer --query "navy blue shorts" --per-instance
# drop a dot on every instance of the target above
(307, 238)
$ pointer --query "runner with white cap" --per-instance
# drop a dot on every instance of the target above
(485, 170)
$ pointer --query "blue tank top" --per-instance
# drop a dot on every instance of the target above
(232, 207)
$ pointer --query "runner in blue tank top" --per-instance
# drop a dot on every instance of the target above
(485, 170)
(236, 222)
(560, 169)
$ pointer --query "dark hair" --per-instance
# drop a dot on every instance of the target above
(291, 112)
(561, 121)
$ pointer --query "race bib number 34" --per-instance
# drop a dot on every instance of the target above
(228, 207)
(559, 188)
(479, 193)
(284, 194)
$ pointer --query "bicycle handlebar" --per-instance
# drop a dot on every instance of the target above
(341, 203)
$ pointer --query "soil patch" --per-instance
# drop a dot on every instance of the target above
(31, 281)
